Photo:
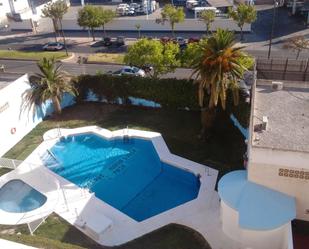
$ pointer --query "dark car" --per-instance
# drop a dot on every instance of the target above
(180, 41)
(107, 41)
(193, 39)
(165, 39)
(244, 90)
(120, 41)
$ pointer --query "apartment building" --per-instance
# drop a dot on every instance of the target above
(18, 10)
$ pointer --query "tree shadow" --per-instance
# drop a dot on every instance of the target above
(284, 24)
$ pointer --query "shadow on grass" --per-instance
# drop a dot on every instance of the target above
(168, 237)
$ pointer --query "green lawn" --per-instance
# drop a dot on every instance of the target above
(105, 58)
(56, 233)
(180, 129)
(13, 54)
(4, 171)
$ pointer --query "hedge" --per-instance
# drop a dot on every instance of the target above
(169, 93)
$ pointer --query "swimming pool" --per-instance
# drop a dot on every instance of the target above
(17, 196)
(126, 174)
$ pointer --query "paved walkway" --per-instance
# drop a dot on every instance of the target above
(5, 244)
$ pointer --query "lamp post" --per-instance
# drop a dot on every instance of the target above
(272, 27)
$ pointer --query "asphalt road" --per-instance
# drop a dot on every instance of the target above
(14, 66)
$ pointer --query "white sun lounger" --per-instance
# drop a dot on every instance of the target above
(95, 225)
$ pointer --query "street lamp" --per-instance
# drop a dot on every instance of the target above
(276, 3)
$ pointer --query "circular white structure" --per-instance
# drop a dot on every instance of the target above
(33, 177)
(254, 215)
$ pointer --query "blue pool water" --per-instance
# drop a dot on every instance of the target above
(128, 175)
(17, 196)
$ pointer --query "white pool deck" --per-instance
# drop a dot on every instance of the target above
(109, 226)
(5, 244)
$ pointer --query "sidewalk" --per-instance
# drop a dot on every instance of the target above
(5, 244)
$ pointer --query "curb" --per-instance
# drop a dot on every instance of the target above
(16, 59)
(69, 58)
(35, 60)
(104, 63)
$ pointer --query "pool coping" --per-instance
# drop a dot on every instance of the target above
(123, 228)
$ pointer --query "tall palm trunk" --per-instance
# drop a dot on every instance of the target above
(241, 33)
(298, 53)
(63, 36)
(104, 32)
(173, 29)
(55, 29)
(92, 33)
(56, 104)
(207, 28)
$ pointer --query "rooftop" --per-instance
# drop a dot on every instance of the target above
(287, 111)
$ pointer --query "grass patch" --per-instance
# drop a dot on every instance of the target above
(4, 171)
(105, 58)
(14, 54)
(56, 233)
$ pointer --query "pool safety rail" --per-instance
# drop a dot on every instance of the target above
(9, 163)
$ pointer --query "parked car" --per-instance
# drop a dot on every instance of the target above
(130, 12)
(165, 39)
(180, 40)
(244, 90)
(128, 70)
(53, 46)
(107, 41)
(193, 39)
(147, 68)
(122, 9)
(120, 41)
(135, 6)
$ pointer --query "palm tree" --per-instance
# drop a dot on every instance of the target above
(51, 83)
(207, 16)
(217, 69)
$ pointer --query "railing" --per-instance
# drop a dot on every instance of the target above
(9, 163)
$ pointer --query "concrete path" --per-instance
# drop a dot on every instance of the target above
(5, 244)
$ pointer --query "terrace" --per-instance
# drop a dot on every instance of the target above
(179, 129)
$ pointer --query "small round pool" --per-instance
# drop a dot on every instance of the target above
(17, 196)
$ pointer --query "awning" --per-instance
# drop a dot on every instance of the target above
(220, 3)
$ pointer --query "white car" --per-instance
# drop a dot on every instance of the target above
(53, 46)
(128, 70)
(122, 9)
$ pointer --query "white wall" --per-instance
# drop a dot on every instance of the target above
(20, 5)
(5, 8)
(253, 239)
(45, 25)
(264, 165)
(23, 121)
(11, 117)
